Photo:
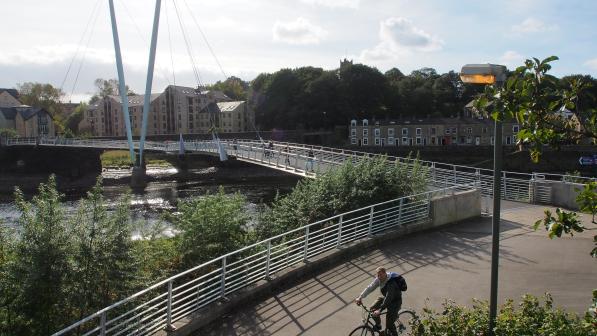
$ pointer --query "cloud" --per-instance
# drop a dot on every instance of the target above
(512, 59)
(399, 36)
(299, 31)
(592, 63)
(334, 3)
(532, 25)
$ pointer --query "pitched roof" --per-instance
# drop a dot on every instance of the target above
(136, 100)
(12, 92)
(229, 106)
(26, 112)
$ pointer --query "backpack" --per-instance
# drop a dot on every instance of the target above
(401, 282)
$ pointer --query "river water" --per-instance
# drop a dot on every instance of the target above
(167, 187)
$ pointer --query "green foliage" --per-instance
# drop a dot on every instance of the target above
(314, 98)
(41, 95)
(106, 265)
(42, 263)
(71, 124)
(58, 269)
(536, 99)
(349, 187)
(233, 87)
(210, 226)
(116, 158)
(8, 133)
(531, 317)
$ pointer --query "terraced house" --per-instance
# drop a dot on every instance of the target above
(429, 132)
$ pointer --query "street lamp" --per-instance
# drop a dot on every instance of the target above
(491, 74)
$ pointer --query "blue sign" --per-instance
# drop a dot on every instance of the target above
(587, 160)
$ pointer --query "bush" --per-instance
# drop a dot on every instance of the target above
(350, 186)
(210, 226)
(532, 317)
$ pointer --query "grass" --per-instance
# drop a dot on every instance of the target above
(121, 159)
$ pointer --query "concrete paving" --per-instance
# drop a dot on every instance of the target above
(453, 262)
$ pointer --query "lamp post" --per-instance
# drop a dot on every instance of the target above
(491, 74)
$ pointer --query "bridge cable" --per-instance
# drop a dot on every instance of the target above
(95, 8)
(170, 42)
(93, 25)
(188, 45)
(205, 40)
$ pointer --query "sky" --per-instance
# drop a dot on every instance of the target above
(68, 43)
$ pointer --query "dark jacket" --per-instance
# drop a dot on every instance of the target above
(392, 295)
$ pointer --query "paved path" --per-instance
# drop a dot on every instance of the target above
(450, 263)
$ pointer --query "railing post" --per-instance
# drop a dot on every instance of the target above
(169, 308)
(223, 281)
(454, 175)
(339, 242)
(370, 231)
(296, 161)
(103, 324)
(433, 172)
(267, 260)
(400, 211)
(306, 243)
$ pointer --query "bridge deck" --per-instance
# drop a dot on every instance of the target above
(453, 262)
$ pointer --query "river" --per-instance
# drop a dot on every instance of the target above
(167, 187)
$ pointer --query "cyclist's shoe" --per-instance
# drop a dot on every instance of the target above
(377, 327)
(401, 328)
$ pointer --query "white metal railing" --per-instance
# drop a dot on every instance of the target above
(162, 304)
(294, 158)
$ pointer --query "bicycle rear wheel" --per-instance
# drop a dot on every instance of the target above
(406, 322)
(362, 331)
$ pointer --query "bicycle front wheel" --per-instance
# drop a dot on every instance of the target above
(362, 331)
(406, 322)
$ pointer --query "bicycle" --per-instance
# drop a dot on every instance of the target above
(404, 323)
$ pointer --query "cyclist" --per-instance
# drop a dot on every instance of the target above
(390, 285)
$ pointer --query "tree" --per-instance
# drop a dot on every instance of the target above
(233, 87)
(41, 263)
(41, 95)
(108, 87)
(103, 252)
(71, 124)
(210, 226)
(536, 99)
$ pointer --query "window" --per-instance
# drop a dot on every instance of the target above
(432, 130)
(515, 128)
(453, 130)
(377, 132)
(469, 139)
(418, 131)
(418, 140)
(405, 131)
(365, 132)
(508, 140)
(433, 140)
(390, 132)
(353, 141)
(377, 141)
(404, 140)
(391, 141)
(365, 122)
(469, 130)
(353, 132)
(484, 130)
(365, 141)
(353, 123)
(447, 130)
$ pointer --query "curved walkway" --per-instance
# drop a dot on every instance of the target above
(453, 262)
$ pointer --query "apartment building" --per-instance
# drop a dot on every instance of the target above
(429, 132)
(177, 109)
